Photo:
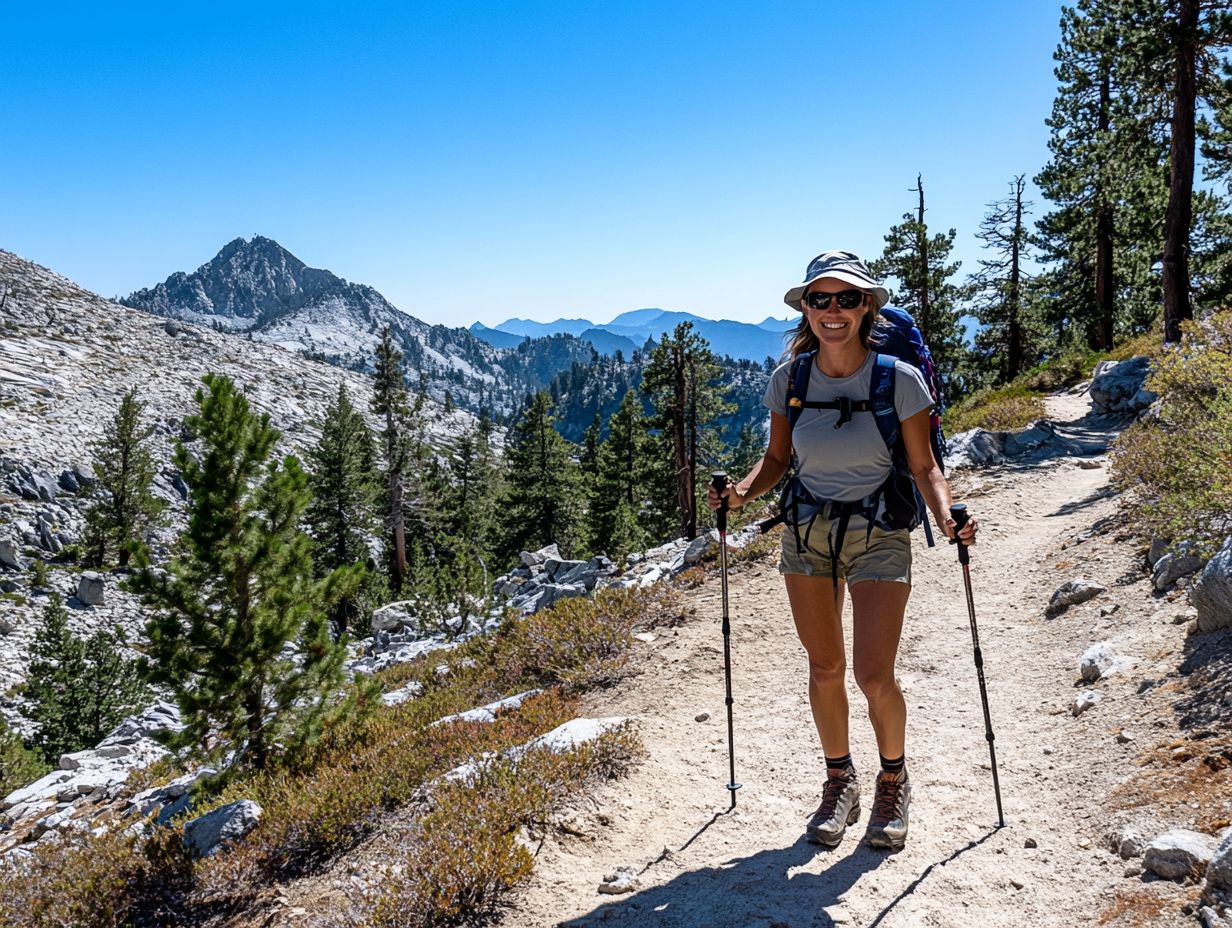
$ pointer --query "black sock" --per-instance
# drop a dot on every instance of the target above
(896, 766)
(841, 763)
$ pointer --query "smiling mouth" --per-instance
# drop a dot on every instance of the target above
(834, 325)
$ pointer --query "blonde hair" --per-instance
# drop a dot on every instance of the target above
(804, 339)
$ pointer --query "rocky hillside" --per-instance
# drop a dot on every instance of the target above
(67, 356)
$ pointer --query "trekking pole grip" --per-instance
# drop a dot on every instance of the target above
(718, 480)
(958, 512)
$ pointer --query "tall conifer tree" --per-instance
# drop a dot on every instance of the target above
(919, 263)
(389, 402)
(240, 590)
(1006, 341)
(1106, 178)
(346, 496)
(124, 465)
(540, 500)
(620, 486)
(79, 688)
(681, 380)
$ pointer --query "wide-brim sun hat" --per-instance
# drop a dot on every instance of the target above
(841, 265)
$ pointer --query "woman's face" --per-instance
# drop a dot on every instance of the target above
(834, 325)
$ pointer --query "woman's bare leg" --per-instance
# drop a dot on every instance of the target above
(820, 627)
(877, 608)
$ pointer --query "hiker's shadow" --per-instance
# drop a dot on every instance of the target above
(767, 888)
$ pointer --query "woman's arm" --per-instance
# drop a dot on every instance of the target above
(766, 474)
(928, 477)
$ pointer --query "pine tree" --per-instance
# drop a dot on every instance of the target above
(613, 521)
(540, 502)
(681, 380)
(79, 689)
(240, 591)
(1007, 341)
(1106, 179)
(344, 512)
(918, 262)
(389, 401)
(126, 509)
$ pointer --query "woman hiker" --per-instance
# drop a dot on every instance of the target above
(840, 536)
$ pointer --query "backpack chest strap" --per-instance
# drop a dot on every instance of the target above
(845, 406)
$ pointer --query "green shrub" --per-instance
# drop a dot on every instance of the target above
(19, 766)
(465, 856)
(103, 881)
(39, 579)
(1003, 409)
(310, 818)
(580, 643)
(1065, 370)
(1177, 468)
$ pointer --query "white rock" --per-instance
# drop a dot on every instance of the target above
(1097, 661)
(1176, 854)
(1084, 701)
(1071, 593)
(701, 546)
(211, 832)
(1212, 594)
(405, 694)
(91, 588)
(624, 880)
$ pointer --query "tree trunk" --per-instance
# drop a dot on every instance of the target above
(691, 473)
(1104, 290)
(683, 493)
(925, 321)
(1179, 215)
(397, 522)
(1014, 350)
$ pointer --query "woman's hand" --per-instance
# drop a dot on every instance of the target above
(734, 500)
(966, 536)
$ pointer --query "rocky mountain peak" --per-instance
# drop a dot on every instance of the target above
(248, 283)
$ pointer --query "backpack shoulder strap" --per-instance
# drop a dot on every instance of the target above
(881, 398)
(797, 386)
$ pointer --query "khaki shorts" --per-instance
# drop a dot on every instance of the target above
(883, 555)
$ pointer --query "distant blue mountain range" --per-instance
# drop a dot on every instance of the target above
(630, 331)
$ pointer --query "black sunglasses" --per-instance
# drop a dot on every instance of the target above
(847, 299)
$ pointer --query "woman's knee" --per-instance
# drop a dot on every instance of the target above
(826, 669)
(876, 682)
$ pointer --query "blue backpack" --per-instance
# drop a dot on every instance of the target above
(897, 503)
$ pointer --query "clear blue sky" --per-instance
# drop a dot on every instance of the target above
(476, 161)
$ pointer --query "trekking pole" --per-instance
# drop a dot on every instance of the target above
(958, 512)
(719, 480)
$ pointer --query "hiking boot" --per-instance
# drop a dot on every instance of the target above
(887, 827)
(840, 807)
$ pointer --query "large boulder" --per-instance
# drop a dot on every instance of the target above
(91, 588)
(1116, 388)
(1211, 595)
(9, 556)
(210, 833)
(392, 616)
(974, 448)
(1179, 853)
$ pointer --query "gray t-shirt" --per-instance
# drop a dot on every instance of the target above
(850, 462)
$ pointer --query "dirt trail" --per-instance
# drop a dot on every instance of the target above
(703, 866)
